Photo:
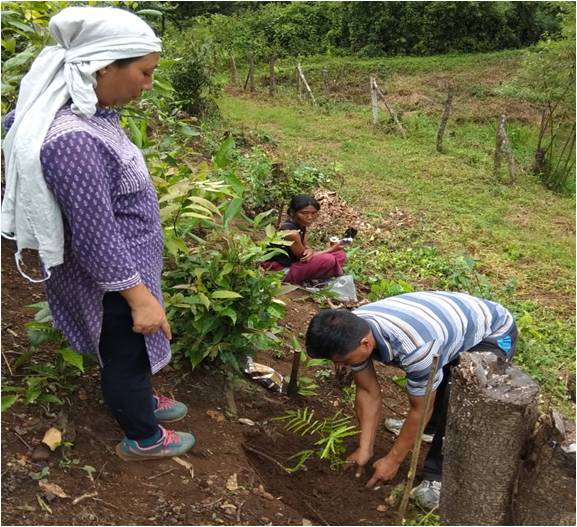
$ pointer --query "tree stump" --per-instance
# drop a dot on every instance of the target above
(546, 486)
(492, 412)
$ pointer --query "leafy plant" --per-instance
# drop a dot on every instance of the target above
(44, 381)
(329, 434)
(385, 288)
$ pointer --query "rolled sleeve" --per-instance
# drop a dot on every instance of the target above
(78, 170)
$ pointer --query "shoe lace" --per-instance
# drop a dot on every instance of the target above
(164, 402)
(170, 437)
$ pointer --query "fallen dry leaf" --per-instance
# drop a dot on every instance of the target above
(52, 438)
(246, 421)
(216, 415)
(307, 522)
(382, 508)
(52, 489)
(232, 483)
(22, 459)
(185, 464)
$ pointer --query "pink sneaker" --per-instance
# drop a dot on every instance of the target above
(170, 444)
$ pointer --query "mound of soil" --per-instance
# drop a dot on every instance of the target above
(229, 484)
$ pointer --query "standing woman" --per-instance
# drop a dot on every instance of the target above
(78, 192)
(302, 263)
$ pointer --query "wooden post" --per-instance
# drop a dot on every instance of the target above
(546, 487)
(444, 118)
(271, 77)
(306, 84)
(292, 387)
(503, 146)
(374, 101)
(250, 75)
(326, 81)
(492, 412)
(389, 108)
(299, 83)
(233, 70)
(418, 441)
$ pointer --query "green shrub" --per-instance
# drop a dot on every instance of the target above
(220, 303)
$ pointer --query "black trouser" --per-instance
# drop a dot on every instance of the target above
(125, 373)
(433, 467)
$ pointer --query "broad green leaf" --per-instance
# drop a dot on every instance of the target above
(223, 155)
(50, 398)
(270, 230)
(188, 131)
(8, 401)
(19, 60)
(232, 210)
(205, 203)
(150, 12)
(72, 357)
(223, 293)
(23, 27)
(135, 133)
(260, 217)
(205, 300)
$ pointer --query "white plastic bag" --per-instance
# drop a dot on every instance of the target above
(344, 288)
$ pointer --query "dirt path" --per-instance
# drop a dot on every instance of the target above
(230, 485)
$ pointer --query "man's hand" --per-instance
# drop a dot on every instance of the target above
(359, 458)
(385, 469)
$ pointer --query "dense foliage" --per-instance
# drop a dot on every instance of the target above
(381, 28)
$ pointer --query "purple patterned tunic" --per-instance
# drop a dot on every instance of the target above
(113, 236)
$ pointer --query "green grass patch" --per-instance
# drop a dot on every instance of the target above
(520, 237)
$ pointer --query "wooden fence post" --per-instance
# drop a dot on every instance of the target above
(233, 70)
(388, 107)
(492, 412)
(503, 146)
(271, 78)
(444, 118)
(305, 83)
(250, 75)
(374, 101)
(326, 81)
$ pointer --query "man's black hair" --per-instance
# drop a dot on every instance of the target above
(334, 332)
(301, 201)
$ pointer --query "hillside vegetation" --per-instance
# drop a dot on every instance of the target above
(468, 230)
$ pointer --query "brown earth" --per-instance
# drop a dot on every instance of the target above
(231, 485)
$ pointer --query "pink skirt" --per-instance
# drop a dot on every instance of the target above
(319, 267)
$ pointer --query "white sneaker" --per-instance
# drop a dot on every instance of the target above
(393, 424)
(427, 494)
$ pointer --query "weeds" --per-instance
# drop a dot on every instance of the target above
(44, 382)
(329, 434)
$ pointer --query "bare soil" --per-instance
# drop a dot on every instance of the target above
(232, 485)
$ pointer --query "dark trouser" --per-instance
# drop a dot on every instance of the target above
(125, 374)
(432, 469)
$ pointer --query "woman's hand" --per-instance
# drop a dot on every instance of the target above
(308, 253)
(148, 315)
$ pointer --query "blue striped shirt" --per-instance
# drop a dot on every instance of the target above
(409, 329)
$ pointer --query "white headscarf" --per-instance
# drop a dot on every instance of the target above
(88, 39)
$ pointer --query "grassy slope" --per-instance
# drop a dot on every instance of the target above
(522, 235)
